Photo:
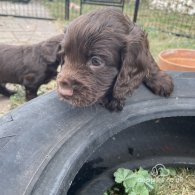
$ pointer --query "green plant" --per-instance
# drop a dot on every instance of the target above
(165, 172)
(18, 98)
(161, 180)
(135, 183)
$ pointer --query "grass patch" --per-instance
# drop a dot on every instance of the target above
(18, 98)
(183, 183)
(160, 41)
(166, 20)
(56, 8)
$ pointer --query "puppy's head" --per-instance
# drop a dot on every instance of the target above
(93, 51)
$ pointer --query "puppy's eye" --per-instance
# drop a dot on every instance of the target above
(96, 61)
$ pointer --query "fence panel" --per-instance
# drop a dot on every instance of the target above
(177, 17)
(44, 9)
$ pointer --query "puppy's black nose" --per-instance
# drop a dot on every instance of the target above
(65, 87)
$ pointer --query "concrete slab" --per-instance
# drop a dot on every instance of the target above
(26, 31)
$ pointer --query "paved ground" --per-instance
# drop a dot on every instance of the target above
(4, 105)
(23, 31)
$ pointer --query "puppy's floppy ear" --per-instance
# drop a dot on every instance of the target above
(50, 51)
(132, 69)
(51, 47)
(61, 53)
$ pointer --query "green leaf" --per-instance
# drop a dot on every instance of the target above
(164, 172)
(150, 185)
(135, 183)
(143, 172)
(130, 183)
(141, 190)
(122, 174)
(132, 193)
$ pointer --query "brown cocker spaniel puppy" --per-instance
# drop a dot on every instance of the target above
(29, 65)
(106, 57)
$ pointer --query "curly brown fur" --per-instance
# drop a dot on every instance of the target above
(29, 65)
(106, 57)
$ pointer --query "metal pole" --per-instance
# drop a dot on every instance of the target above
(137, 2)
(67, 13)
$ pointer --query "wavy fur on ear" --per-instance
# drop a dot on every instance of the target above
(132, 70)
(138, 65)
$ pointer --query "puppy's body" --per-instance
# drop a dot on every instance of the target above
(106, 57)
(29, 65)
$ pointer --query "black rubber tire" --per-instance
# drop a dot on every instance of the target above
(156, 143)
(44, 143)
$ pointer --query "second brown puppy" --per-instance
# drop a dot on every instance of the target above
(29, 65)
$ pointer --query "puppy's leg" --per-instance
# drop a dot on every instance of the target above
(31, 93)
(113, 104)
(115, 101)
(158, 81)
(6, 92)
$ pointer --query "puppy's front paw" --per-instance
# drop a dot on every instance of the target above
(161, 84)
(164, 86)
(114, 105)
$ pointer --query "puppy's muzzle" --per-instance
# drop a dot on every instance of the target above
(66, 86)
